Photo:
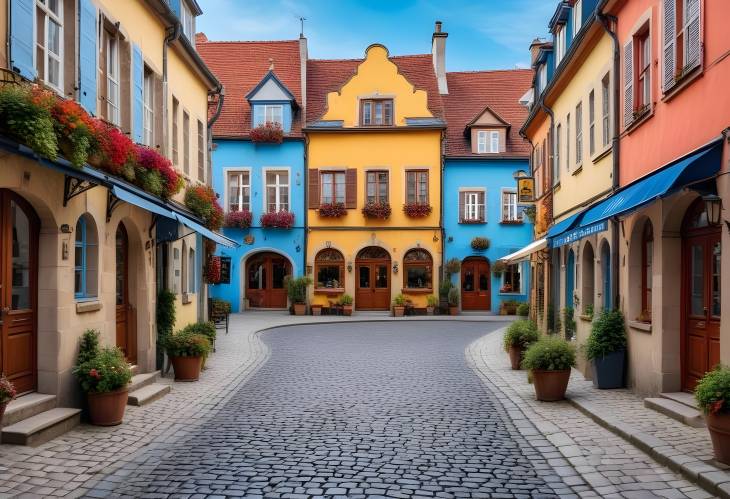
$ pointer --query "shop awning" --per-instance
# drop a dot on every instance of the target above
(132, 198)
(524, 253)
(562, 226)
(205, 232)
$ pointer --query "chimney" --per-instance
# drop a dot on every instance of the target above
(535, 46)
(438, 53)
(303, 58)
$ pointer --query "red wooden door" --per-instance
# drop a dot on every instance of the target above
(265, 276)
(126, 330)
(372, 285)
(18, 291)
(475, 291)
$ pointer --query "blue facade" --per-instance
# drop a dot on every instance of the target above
(244, 155)
(492, 175)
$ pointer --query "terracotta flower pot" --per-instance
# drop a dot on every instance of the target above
(300, 309)
(107, 409)
(187, 368)
(429, 310)
(316, 310)
(515, 356)
(2, 412)
(719, 426)
(550, 385)
(453, 310)
(398, 311)
(347, 310)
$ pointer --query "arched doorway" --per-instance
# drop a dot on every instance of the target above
(606, 274)
(372, 289)
(19, 227)
(126, 333)
(700, 295)
(265, 276)
(587, 278)
(475, 292)
(570, 279)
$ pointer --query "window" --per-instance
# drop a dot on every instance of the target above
(186, 142)
(512, 279)
(605, 109)
(682, 39)
(556, 173)
(86, 258)
(418, 266)
(579, 133)
(273, 113)
(175, 132)
(201, 151)
(332, 187)
(112, 79)
(149, 106)
(239, 191)
(329, 267)
(647, 250)
(176, 270)
(377, 187)
(488, 141)
(510, 210)
(277, 191)
(191, 271)
(643, 89)
(49, 42)
(559, 44)
(417, 187)
(376, 112)
(577, 16)
(567, 142)
(471, 207)
(592, 123)
(187, 19)
(184, 263)
(542, 77)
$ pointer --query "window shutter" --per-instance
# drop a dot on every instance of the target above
(670, 40)
(22, 29)
(482, 215)
(462, 204)
(138, 95)
(313, 192)
(351, 188)
(87, 55)
(628, 83)
(692, 35)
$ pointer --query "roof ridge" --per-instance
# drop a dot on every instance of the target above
(478, 71)
(210, 42)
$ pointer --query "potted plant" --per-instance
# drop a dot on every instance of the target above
(520, 335)
(479, 243)
(346, 303)
(508, 307)
(377, 210)
(238, 219)
(277, 220)
(431, 302)
(444, 289)
(399, 305)
(269, 132)
(332, 210)
(203, 202)
(606, 347)
(523, 309)
(296, 288)
(316, 308)
(454, 301)
(104, 375)
(453, 266)
(417, 210)
(7, 394)
(186, 351)
(549, 360)
(713, 397)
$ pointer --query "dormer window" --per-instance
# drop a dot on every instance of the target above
(487, 141)
(273, 113)
(560, 44)
(542, 77)
(187, 19)
(376, 112)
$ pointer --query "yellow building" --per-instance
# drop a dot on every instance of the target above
(374, 135)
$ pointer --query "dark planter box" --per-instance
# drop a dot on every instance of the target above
(608, 371)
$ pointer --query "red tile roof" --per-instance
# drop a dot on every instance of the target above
(471, 92)
(324, 76)
(240, 66)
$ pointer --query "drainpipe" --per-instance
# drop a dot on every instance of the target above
(533, 312)
(221, 93)
(441, 208)
(555, 273)
(306, 202)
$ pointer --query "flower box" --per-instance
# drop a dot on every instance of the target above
(213, 270)
(278, 220)
(203, 202)
(479, 243)
(332, 210)
(269, 132)
(238, 219)
(377, 210)
(417, 210)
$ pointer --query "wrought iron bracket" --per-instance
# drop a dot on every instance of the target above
(111, 202)
(73, 187)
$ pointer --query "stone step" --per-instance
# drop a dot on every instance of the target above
(147, 394)
(675, 410)
(27, 406)
(142, 380)
(135, 368)
(42, 427)
(682, 397)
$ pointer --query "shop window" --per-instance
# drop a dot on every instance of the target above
(587, 278)
(512, 279)
(418, 270)
(86, 258)
(329, 267)
(647, 250)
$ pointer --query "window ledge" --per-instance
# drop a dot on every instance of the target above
(640, 119)
(88, 305)
(683, 83)
(605, 152)
(577, 170)
(510, 293)
(187, 298)
(586, 318)
(511, 222)
(640, 326)
(328, 291)
(417, 291)
(472, 222)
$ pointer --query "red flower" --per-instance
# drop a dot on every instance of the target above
(280, 220)
(268, 132)
(417, 210)
(332, 210)
(213, 270)
(378, 210)
(239, 219)
(94, 374)
(116, 148)
(153, 160)
(716, 406)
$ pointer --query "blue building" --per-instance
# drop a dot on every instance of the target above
(483, 152)
(258, 168)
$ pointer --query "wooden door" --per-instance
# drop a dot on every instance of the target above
(475, 291)
(265, 276)
(18, 291)
(372, 286)
(126, 331)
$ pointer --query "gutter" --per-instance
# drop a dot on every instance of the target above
(172, 34)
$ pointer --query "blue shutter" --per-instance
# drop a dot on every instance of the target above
(138, 91)
(175, 6)
(258, 115)
(87, 55)
(22, 28)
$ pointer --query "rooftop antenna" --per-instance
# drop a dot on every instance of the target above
(301, 22)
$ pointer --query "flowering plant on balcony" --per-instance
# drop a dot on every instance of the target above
(203, 202)
(238, 219)
(268, 132)
(332, 210)
(379, 210)
(151, 161)
(417, 210)
(25, 115)
(479, 243)
(75, 130)
(280, 220)
(213, 270)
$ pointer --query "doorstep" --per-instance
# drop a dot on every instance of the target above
(27, 406)
(679, 406)
(42, 427)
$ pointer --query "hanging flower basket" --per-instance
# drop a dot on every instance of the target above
(377, 210)
(203, 202)
(417, 210)
(479, 243)
(278, 220)
(499, 268)
(213, 270)
(269, 132)
(238, 219)
(332, 210)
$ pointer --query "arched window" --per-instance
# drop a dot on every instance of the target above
(606, 271)
(86, 258)
(417, 272)
(587, 279)
(329, 267)
(647, 250)
(191, 271)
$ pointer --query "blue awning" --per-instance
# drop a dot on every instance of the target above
(213, 236)
(561, 227)
(132, 198)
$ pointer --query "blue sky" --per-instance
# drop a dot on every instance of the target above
(483, 34)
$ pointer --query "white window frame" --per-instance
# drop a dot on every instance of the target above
(191, 271)
(57, 19)
(556, 172)
(577, 16)
(278, 185)
(472, 208)
(486, 140)
(334, 183)
(148, 89)
(592, 122)
(542, 77)
(271, 108)
(228, 173)
(112, 79)
(504, 277)
(187, 19)
(567, 142)
(511, 208)
(560, 42)
(186, 142)
(606, 109)
(175, 131)
(579, 134)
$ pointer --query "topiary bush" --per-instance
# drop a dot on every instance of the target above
(523, 309)
(608, 335)
(549, 354)
(713, 391)
(88, 346)
(520, 334)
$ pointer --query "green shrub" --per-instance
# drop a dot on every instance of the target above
(432, 300)
(523, 309)
(345, 299)
(183, 344)
(549, 354)
(521, 334)
(399, 300)
(206, 329)
(165, 313)
(220, 306)
(25, 114)
(296, 288)
(88, 347)
(569, 322)
(453, 266)
(444, 288)
(106, 371)
(454, 297)
(713, 391)
(608, 335)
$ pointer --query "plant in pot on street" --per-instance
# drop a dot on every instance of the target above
(186, 351)
(519, 336)
(549, 360)
(346, 302)
(453, 266)
(454, 301)
(713, 397)
(7, 394)
(399, 305)
(296, 289)
(606, 347)
(432, 302)
(206, 329)
(104, 374)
